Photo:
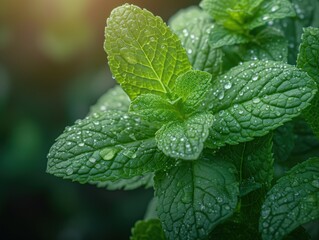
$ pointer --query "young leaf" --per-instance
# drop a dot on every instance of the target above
(144, 55)
(232, 14)
(154, 108)
(255, 98)
(308, 61)
(194, 197)
(113, 99)
(246, 15)
(220, 36)
(185, 140)
(294, 200)
(194, 88)
(193, 27)
(148, 230)
(145, 181)
(106, 146)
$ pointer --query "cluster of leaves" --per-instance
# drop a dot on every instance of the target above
(198, 119)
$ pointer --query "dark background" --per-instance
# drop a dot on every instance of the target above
(52, 68)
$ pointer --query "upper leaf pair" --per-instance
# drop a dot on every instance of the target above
(147, 59)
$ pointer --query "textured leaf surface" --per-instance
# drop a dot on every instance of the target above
(294, 200)
(270, 10)
(268, 44)
(145, 181)
(107, 146)
(193, 28)
(194, 89)
(113, 99)
(148, 230)
(308, 60)
(256, 97)
(185, 140)
(194, 197)
(144, 55)
(220, 36)
(154, 108)
(185, 16)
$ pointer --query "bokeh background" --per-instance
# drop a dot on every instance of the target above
(52, 68)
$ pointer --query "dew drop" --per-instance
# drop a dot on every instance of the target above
(228, 85)
(265, 18)
(315, 183)
(92, 160)
(275, 8)
(221, 95)
(108, 153)
(227, 207)
(189, 51)
(256, 100)
(255, 78)
(81, 144)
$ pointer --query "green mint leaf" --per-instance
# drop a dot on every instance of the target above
(144, 55)
(270, 10)
(220, 36)
(232, 14)
(267, 44)
(254, 160)
(311, 115)
(113, 99)
(184, 17)
(309, 53)
(106, 146)
(148, 230)
(193, 27)
(185, 140)
(194, 197)
(247, 14)
(194, 89)
(255, 98)
(145, 181)
(294, 200)
(307, 14)
(308, 61)
(154, 108)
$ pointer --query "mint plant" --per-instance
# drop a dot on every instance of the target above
(206, 110)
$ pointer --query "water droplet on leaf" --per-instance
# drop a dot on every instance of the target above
(108, 153)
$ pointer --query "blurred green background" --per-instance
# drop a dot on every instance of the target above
(52, 68)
